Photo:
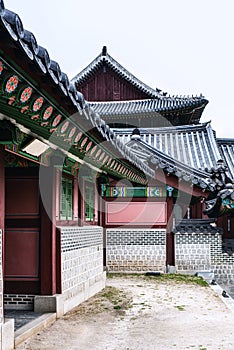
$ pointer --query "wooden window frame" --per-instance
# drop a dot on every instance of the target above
(93, 219)
(68, 181)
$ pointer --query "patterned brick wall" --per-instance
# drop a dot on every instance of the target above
(82, 257)
(18, 301)
(203, 251)
(136, 250)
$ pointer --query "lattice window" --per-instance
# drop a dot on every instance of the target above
(89, 202)
(66, 199)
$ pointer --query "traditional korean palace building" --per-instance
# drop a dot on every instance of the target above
(101, 173)
(197, 168)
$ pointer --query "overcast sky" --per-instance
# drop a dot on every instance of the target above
(183, 47)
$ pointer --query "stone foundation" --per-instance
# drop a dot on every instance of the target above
(18, 302)
(136, 250)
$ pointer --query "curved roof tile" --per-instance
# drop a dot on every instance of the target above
(193, 145)
(226, 148)
(148, 106)
(169, 164)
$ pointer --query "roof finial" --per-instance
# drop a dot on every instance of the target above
(136, 134)
(2, 7)
(104, 51)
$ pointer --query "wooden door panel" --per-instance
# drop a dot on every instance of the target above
(22, 234)
(21, 252)
(22, 197)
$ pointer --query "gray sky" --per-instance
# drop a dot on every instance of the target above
(183, 47)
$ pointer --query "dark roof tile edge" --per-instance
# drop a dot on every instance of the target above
(227, 141)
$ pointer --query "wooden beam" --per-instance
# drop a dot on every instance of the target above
(182, 185)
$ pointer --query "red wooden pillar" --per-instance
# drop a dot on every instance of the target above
(170, 254)
(75, 200)
(49, 255)
(81, 200)
(101, 217)
(2, 214)
(2, 188)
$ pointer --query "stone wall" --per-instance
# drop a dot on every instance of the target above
(203, 251)
(135, 250)
(81, 263)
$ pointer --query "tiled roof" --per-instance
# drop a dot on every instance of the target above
(197, 225)
(162, 101)
(160, 104)
(226, 148)
(170, 165)
(33, 61)
(194, 146)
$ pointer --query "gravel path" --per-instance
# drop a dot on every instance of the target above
(144, 314)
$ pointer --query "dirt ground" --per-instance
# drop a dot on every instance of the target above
(137, 313)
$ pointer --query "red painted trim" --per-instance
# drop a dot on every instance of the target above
(48, 236)
(132, 200)
(23, 156)
(136, 213)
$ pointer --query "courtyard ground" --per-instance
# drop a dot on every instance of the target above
(141, 313)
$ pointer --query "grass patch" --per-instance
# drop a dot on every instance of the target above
(116, 298)
(180, 307)
(117, 307)
(179, 278)
(170, 277)
(109, 299)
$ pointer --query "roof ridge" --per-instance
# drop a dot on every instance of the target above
(133, 78)
(83, 71)
(225, 139)
(109, 59)
(104, 56)
(166, 128)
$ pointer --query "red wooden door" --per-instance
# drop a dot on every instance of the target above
(22, 234)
